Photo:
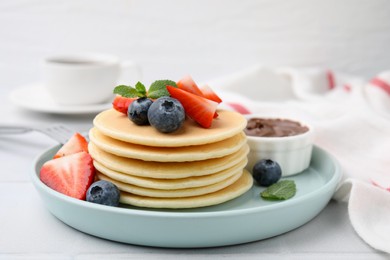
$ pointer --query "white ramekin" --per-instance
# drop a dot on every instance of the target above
(293, 153)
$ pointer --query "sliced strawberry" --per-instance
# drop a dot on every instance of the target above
(188, 84)
(210, 94)
(121, 104)
(77, 143)
(70, 175)
(198, 108)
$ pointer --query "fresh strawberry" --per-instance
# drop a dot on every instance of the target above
(71, 175)
(210, 94)
(77, 143)
(188, 84)
(121, 104)
(198, 108)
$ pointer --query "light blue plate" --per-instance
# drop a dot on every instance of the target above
(244, 219)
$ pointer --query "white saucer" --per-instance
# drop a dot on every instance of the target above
(35, 98)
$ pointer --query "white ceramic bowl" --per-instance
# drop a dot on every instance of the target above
(293, 153)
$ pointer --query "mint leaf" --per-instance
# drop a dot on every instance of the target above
(140, 89)
(159, 88)
(126, 91)
(281, 190)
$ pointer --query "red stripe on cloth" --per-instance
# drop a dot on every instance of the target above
(331, 81)
(381, 84)
(347, 88)
(239, 108)
(379, 186)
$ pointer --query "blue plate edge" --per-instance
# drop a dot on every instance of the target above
(331, 184)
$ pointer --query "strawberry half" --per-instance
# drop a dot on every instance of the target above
(189, 85)
(70, 175)
(77, 143)
(121, 104)
(210, 94)
(198, 108)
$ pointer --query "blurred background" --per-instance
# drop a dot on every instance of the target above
(204, 38)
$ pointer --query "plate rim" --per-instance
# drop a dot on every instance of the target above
(66, 110)
(334, 180)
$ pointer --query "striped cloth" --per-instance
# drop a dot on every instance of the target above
(351, 117)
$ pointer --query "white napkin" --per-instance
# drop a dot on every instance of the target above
(352, 122)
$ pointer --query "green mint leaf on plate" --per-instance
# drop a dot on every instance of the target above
(281, 190)
(126, 91)
(159, 88)
(140, 89)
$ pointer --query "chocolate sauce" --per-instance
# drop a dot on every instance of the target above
(274, 127)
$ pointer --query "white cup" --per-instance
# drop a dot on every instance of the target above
(84, 79)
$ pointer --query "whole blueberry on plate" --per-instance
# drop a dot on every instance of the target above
(138, 111)
(266, 172)
(166, 114)
(103, 192)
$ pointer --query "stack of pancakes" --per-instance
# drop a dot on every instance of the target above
(192, 167)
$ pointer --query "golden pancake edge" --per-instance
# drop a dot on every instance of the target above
(239, 187)
(166, 170)
(178, 193)
(117, 126)
(168, 154)
(171, 184)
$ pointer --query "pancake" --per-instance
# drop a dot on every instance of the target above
(242, 185)
(180, 193)
(168, 154)
(166, 170)
(117, 126)
(171, 184)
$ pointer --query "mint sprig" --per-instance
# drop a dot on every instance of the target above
(126, 91)
(140, 89)
(281, 190)
(159, 88)
(156, 90)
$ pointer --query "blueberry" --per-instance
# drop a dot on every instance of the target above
(166, 114)
(138, 111)
(267, 172)
(103, 192)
